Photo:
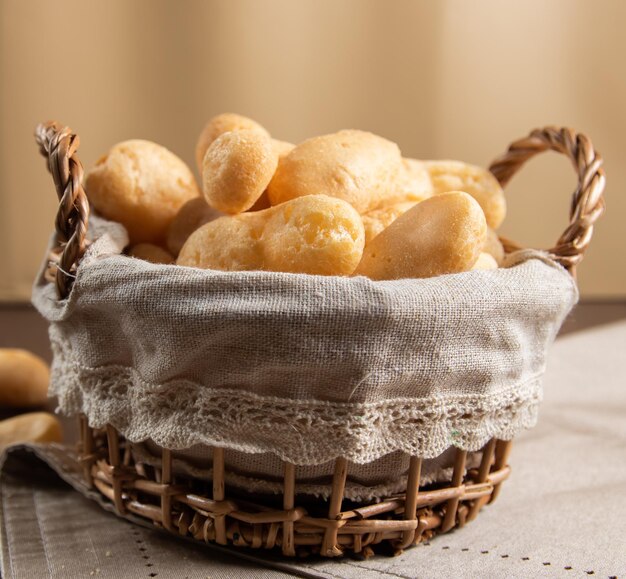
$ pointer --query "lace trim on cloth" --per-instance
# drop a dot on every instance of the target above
(179, 414)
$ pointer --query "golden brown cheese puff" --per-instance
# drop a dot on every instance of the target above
(443, 234)
(478, 182)
(230, 243)
(315, 234)
(236, 169)
(379, 219)
(413, 186)
(141, 185)
(414, 182)
(356, 166)
(493, 246)
(219, 125)
(192, 215)
(150, 252)
(282, 148)
(24, 379)
(263, 202)
(485, 261)
(31, 427)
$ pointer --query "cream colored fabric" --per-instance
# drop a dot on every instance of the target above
(308, 368)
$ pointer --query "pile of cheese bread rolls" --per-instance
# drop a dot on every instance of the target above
(343, 204)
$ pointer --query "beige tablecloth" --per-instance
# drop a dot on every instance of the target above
(562, 513)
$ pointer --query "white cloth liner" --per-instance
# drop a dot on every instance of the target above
(306, 368)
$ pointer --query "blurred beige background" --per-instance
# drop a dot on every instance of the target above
(447, 79)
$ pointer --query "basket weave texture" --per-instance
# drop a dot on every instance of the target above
(317, 371)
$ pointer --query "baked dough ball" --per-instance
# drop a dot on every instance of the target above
(229, 243)
(414, 182)
(31, 427)
(377, 220)
(220, 124)
(443, 234)
(141, 185)
(485, 261)
(355, 166)
(150, 252)
(493, 246)
(263, 202)
(24, 379)
(315, 234)
(236, 169)
(282, 148)
(413, 186)
(192, 215)
(478, 182)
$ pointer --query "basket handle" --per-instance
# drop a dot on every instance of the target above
(59, 145)
(588, 199)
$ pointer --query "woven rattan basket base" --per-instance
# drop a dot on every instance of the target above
(290, 523)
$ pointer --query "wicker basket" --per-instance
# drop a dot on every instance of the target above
(205, 509)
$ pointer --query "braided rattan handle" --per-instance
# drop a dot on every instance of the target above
(587, 202)
(59, 145)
